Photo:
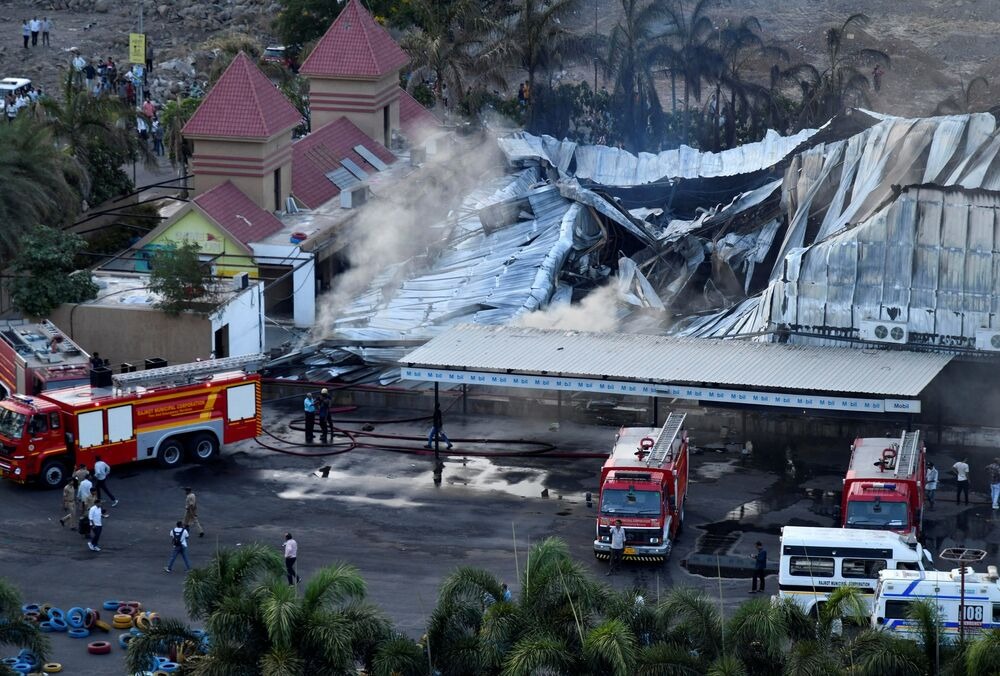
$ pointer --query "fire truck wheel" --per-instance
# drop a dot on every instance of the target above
(203, 447)
(171, 453)
(54, 474)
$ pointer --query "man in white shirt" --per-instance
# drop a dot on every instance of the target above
(179, 539)
(35, 25)
(96, 517)
(291, 548)
(85, 495)
(101, 472)
(961, 470)
(79, 63)
(617, 546)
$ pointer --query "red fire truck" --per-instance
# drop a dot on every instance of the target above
(644, 483)
(883, 489)
(163, 414)
(39, 357)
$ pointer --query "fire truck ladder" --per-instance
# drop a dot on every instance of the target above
(188, 373)
(664, 445)
(909, 449)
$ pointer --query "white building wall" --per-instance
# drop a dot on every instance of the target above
(245, 316)
(303, 277)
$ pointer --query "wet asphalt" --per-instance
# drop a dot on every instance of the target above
(385, 513)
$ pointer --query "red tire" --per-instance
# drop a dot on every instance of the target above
(98, 647)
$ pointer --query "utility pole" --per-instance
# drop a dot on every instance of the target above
(138, 94)
(963, 556)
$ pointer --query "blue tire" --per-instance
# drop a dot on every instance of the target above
(21, 667)
(79, 632)
(169, 667)
(45, 626)
(31, 608)
(75, 617)
(57, 614)
(58, 624)
(123, 639)
(111, 605)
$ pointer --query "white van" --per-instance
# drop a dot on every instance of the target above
(814, 561)
(897, 589)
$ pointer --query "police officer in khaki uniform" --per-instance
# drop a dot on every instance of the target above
(191, 511)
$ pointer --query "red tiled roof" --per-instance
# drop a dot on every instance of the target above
(237, 214)
(242, 104)
(414, 119)
(355, 46)
(321, 152)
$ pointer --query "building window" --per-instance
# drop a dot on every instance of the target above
(386, 128)
(277, 189)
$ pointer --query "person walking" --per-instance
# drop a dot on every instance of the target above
(759, 568)
(617, 546)
(961, 470)
(994, 471)
(46, 29)
(81, 473)
(179, 538)
(191, 511)
(930, 483)
(156, 131)
(323, 411)
(96, 517)
(437, 429)
(291, 549)
(101, 472)
(69, 502)
(85, 494)
(309, 407)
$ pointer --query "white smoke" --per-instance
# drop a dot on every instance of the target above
(598, 311)
(396, 224)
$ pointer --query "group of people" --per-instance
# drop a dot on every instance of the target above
(961, 471)
(30, 30)
(19, 99)
(318, 407)
(107, 79)
(82, 504)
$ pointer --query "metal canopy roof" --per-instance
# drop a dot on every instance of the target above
(663, 360)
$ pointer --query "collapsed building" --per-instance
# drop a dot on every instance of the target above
(872, 232)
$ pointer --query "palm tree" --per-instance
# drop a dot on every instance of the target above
(630, 61)
(693, 55)
(41, 184)
(258, 623)
(452, 42)
(876, 653)
(174, 115)
(535, 39)
(15, 631)
(974, 96)
(983, 655)
(844, 82)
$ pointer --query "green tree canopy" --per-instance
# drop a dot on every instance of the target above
(47, 274)
(178, 275)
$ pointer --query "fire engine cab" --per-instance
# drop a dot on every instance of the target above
(883, 489)
(39, 357)
(163, 414)
(644, 483)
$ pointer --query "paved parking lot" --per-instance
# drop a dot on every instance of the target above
(384, 513)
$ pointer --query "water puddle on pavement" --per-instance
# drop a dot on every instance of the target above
(483, 474)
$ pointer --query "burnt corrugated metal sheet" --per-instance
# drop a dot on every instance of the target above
(676, 360)
(616, 167)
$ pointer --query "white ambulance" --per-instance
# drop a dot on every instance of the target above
(815, 561)
(897, 589)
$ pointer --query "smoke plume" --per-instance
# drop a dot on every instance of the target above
(596, 312)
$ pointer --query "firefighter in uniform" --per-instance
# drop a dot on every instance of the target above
(191, 511)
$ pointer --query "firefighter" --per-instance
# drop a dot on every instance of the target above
(191, 511)
(323, 409)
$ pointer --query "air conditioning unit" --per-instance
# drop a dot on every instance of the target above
(354, 197)
(988, 339)
(883, 332)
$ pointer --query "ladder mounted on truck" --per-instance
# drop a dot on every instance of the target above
(664, 446)
(909, 449)
(185, 374)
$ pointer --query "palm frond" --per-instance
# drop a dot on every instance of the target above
(611, 648)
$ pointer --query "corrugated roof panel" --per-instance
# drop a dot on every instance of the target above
(679, 360)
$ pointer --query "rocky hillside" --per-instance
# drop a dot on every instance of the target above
(100, 28)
